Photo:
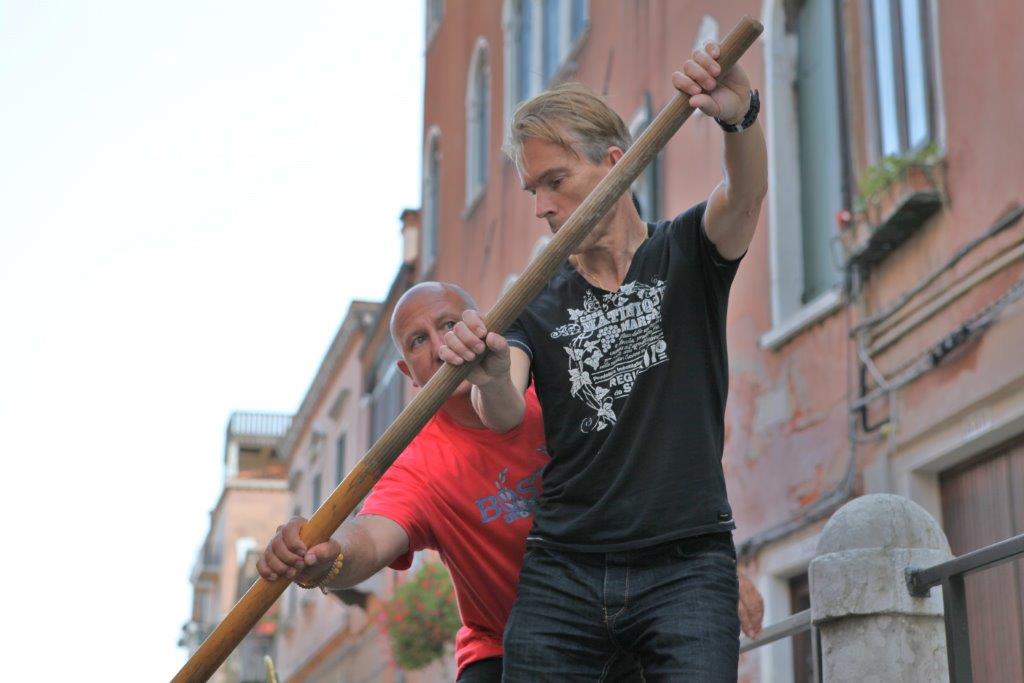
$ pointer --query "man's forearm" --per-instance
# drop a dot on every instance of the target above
(499, 404)
(746, 168)
(734, 206)
(362, 557)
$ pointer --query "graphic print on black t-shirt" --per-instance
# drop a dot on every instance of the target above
(633, 387)
(612, 339)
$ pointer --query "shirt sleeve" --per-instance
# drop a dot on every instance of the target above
(401, 497)
(717, 270)
(517, 336)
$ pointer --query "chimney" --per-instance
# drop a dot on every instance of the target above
(410, 236)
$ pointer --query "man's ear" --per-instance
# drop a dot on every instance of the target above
(403, 367)
(614, 154)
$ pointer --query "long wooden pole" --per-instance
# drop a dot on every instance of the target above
(326, 520)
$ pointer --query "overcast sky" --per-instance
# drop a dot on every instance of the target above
(190, 196)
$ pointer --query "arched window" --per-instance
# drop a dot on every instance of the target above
(431, 199)
(478, 111)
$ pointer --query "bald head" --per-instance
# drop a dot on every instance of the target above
(423, 294)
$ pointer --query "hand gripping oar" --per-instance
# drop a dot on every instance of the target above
(325, 521)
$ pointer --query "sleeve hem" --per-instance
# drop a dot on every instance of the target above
(522, 346)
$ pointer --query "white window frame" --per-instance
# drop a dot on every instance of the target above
(785, 240)
(510, 23)
(869, 82)
(475, 187)
(431, 191)
(382, 381)
(778, 563)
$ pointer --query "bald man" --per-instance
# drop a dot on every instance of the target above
(458, 488)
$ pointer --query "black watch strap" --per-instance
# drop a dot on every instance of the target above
(748, 119)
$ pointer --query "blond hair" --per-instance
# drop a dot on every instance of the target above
(572, 116)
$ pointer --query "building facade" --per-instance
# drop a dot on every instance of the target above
(251, 505)
(875, 329)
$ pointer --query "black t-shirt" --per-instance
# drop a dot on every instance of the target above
(633, 387)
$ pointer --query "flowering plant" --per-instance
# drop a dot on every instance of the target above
(422, 617)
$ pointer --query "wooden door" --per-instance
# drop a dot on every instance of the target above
(983, 503)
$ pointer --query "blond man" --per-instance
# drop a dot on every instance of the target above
(631, 552)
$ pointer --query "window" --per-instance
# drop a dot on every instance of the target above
(645, 187)
(539, 37)
(431, 199)
(435, 10)
(800, 600)
(292, 603)
(522, 79)
(579, 17)
(316, 492)
(551, 51)
(564, 22)
(807, 172)
(387, 395)
(821, 168)
(902, 75)
(478, 109)
(339, 460)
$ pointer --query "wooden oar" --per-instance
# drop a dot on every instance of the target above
(326, 520)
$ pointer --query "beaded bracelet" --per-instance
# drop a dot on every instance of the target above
(322, 583)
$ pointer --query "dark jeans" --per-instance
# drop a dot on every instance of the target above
(482, 671)
(672, 609)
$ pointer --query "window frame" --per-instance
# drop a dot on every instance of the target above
(384, 374)
(431, 201)
(929, 54)
(316, 492)
(478, 114)
(569, 43)
(790, 314)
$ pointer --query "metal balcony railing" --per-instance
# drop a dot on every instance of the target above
(950, 575)
(273, 425)
(787, 628)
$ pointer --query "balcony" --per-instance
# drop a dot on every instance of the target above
(267, 425)
(897, 197)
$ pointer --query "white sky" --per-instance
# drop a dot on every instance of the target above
(190, 195)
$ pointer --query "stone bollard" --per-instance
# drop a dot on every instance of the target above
(872, 630)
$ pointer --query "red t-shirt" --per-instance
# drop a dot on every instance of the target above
(469, 494)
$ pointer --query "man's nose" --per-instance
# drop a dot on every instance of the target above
(543, 206)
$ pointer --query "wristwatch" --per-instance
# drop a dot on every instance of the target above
(748, 118)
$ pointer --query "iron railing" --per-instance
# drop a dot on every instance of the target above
(787, 628)
(273, 425)
(950, 575)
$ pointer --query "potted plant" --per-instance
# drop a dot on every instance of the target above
(422, 617)
(896, 196)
